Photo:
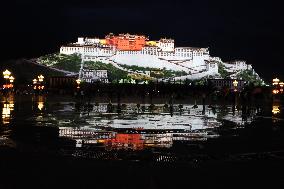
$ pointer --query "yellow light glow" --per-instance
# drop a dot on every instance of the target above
(6, 112)
(11, 78)
(34, 81)
(78, 81)
(275, 81)
(235, 83)
(275, 110)
(8, 86)
(40, 105)
(40, 78)
(275, 91)
(151, 43)
(6, 74)
(101, 141)
(281, 84)
(103, 41)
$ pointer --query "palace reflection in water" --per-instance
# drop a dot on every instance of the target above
(125, 126)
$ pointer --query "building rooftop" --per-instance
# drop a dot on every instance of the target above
(166, 40)
(193, 48)
(234, 61)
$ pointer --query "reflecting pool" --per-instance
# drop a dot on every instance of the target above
(122, 126)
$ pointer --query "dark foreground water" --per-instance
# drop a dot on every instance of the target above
(49, 143)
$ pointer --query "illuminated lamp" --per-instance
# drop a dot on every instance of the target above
(275, 81)
(6, 74)
(40, 78)
(78, 81)
(34, 81)
(235, 83)
(11, 78)
(275, 110)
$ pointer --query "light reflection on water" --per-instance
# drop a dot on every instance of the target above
(276, 107)
(39, 100)
(134, 127)
(275, 110)
(8, 107)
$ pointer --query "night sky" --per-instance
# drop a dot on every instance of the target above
(252, 30)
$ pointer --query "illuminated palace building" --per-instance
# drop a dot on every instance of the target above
(126, 44)
(140, 51)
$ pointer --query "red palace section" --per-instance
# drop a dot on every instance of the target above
(126, 42)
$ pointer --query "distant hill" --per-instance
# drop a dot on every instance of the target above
(25, 71)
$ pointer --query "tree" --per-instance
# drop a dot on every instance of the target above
(249, 76)
(222, 71)
(70, 63)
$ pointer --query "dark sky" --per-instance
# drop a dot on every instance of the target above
(250, 30)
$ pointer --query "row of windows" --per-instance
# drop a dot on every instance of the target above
(182, 54)
(150, 48)
(70, 49)
(109, 51)
(166, 44)
(182, 50)
(129, 52)
(226, 83)
(91, 80)
(93, 74)
(189, 50)
(97, 50)
(67, 49)
(223, 85)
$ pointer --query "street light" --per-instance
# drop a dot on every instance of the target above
(281, 84)
(40, 78)
(34, 81)
(78, 81)
(40, 87)
(6, 74)
(11, 78)
(235, 83)
(275, 81)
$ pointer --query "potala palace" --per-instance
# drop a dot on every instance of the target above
(138, 50)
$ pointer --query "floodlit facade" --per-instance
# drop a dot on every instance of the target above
(91, 75)
(138, 50)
